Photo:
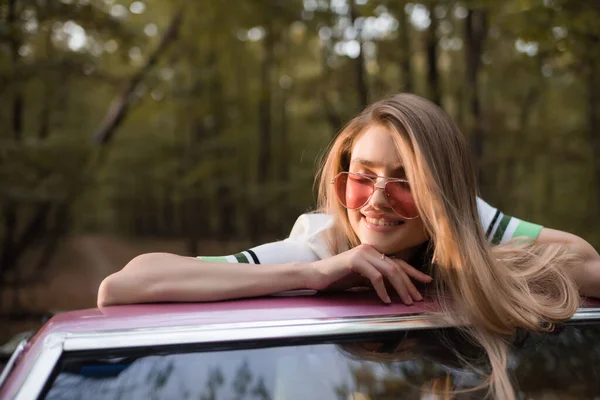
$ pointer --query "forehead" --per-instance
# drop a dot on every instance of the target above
(376, 144)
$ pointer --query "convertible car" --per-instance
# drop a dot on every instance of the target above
(296, 346)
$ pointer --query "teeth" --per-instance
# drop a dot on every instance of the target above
(382, 222)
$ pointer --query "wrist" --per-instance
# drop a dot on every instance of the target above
(306, 273)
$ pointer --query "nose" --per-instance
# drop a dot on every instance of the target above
(378, 199)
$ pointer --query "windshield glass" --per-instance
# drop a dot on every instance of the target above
(399, 365)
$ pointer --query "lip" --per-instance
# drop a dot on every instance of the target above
(382, 228)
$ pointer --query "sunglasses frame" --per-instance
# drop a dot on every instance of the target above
(372, 178)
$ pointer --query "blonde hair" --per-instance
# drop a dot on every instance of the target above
(492, 290)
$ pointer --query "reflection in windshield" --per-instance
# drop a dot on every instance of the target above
(414, 365)
(312, 371)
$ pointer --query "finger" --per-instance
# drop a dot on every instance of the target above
(412, 271)
(376, 279)
(412, 290)
(350, 281)
(394, 276)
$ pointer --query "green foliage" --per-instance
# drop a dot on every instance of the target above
(186, 158)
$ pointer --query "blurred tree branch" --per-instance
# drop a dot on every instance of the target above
(476, 30)
(13, 244)
(432, 57)
(120, 106)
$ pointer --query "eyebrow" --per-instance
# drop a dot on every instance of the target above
(375, 164)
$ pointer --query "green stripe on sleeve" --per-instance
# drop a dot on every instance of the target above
(527, 229)
(501, 228)
(241, 257)
(213, 259)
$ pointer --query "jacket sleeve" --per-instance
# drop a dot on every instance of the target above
(306, 243)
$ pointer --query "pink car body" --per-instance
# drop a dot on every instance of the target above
(169, 324)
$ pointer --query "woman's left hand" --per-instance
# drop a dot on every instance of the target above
(587, 274)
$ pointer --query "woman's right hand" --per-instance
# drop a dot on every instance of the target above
(365, 261)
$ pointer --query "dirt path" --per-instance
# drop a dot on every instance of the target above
(73, 277)
(99, 264)
(79, 266)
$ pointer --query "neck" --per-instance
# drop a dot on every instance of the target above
(405, 254)
(416, 255)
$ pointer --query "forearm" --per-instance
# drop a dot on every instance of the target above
(161, 277)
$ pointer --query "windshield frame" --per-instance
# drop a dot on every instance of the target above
(56, 344)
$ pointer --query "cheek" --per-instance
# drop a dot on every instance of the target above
(354, 217)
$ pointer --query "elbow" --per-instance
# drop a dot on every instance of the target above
(106, 295)
(143, 261)
(123, 286)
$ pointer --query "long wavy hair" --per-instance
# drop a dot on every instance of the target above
(490, 291)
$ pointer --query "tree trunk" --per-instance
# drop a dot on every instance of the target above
(264, 108)
(225, 206)
(13, 247)
(404, 44)
(189, 217)
(362, 89)
(194, 222)
(14, 44)
(285, 66)
(593, 115)
(17, 116)
(60, 226)
(475, 33)
(258, 221)
(9, 254)
(44, 128)
(432, 62)
(45, 115)
(331, 113)
(284, 162)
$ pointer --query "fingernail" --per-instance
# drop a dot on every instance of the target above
(408, 302)
(419, 298)
(388, 300)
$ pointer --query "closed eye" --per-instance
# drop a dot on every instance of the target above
(362, 179)
(368, 175)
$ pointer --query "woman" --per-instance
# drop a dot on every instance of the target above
(377, 226)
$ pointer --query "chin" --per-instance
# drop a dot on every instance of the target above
(387, 249)
(383, 245)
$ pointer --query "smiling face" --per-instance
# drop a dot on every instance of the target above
(374, 153)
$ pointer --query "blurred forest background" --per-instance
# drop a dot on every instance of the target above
(194, 126)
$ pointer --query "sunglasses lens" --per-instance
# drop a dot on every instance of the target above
(401, 200)
(353, 191)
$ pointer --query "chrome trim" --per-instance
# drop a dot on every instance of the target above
(12, 360)
(264, 330)
(32, 385)
(585, 314)
(247, 331)
(588, 310)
